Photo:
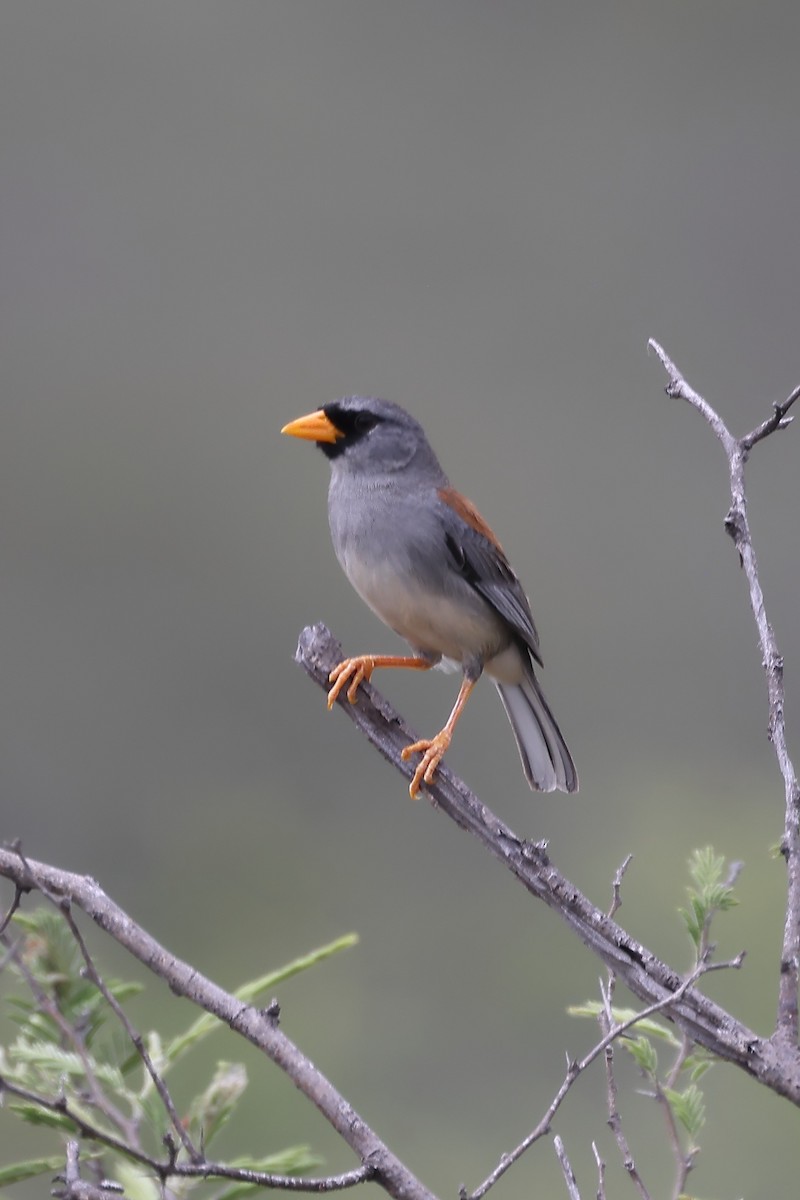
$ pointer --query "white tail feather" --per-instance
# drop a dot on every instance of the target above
(546, 761)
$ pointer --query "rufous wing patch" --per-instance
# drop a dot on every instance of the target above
(468, 513)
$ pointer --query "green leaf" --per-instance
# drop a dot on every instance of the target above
(697, 1064)
(49, 951)
(689, 1108)
(238, 1189)
(289, 1161)
(695, 918)
(41, 1027)
(16, 1172)
(643, 1053)
(709, 895)
(653, 1028)
(705, 867)
(250, 992)
(35, 1115)
(47, 1057)
(151, 1110)
(209, 1111)
(124, 989)
(137, 1185)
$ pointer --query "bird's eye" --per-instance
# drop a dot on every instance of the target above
(364, 422)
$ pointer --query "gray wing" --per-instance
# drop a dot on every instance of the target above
(483, 564)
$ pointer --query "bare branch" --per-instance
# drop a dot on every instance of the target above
(601, 1173)
(679, 389)
(119, 1012)
(651, 980)
(737, 526)
(615, 1125)
(778, 420)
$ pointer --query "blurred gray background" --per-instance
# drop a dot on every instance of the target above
(216, 217)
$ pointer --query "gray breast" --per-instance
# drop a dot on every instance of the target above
(391, 547)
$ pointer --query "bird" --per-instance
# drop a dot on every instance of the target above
(424, 560)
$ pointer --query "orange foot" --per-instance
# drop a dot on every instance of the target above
(353, 671)
(433, 751)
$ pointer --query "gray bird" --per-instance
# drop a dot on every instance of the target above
(424, 560)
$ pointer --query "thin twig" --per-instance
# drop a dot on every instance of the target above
(615, 1125)
(566, 1168)
(616, 887)
(287, 1183)
(601, 1173)
(737, 525)
(778, 420)
(680, 1059)
(203, 1169)
(12, 908)
(134, 1036)
(614, 1117)
(684, 1161)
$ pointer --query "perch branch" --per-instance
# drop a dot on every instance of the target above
(776, 1066)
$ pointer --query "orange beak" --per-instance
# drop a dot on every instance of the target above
(316, 427)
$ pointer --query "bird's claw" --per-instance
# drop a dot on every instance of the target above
(352, 671)
(433, 751)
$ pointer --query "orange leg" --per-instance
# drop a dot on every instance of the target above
(435, 748)
(359, 670)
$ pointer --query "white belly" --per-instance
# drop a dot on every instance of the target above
(436, 624)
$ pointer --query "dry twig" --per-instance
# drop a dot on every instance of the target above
(737, 452)
(566, 1168)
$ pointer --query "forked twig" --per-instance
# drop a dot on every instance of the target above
(737, 451)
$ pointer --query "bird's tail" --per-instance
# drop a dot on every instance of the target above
(546, 761)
